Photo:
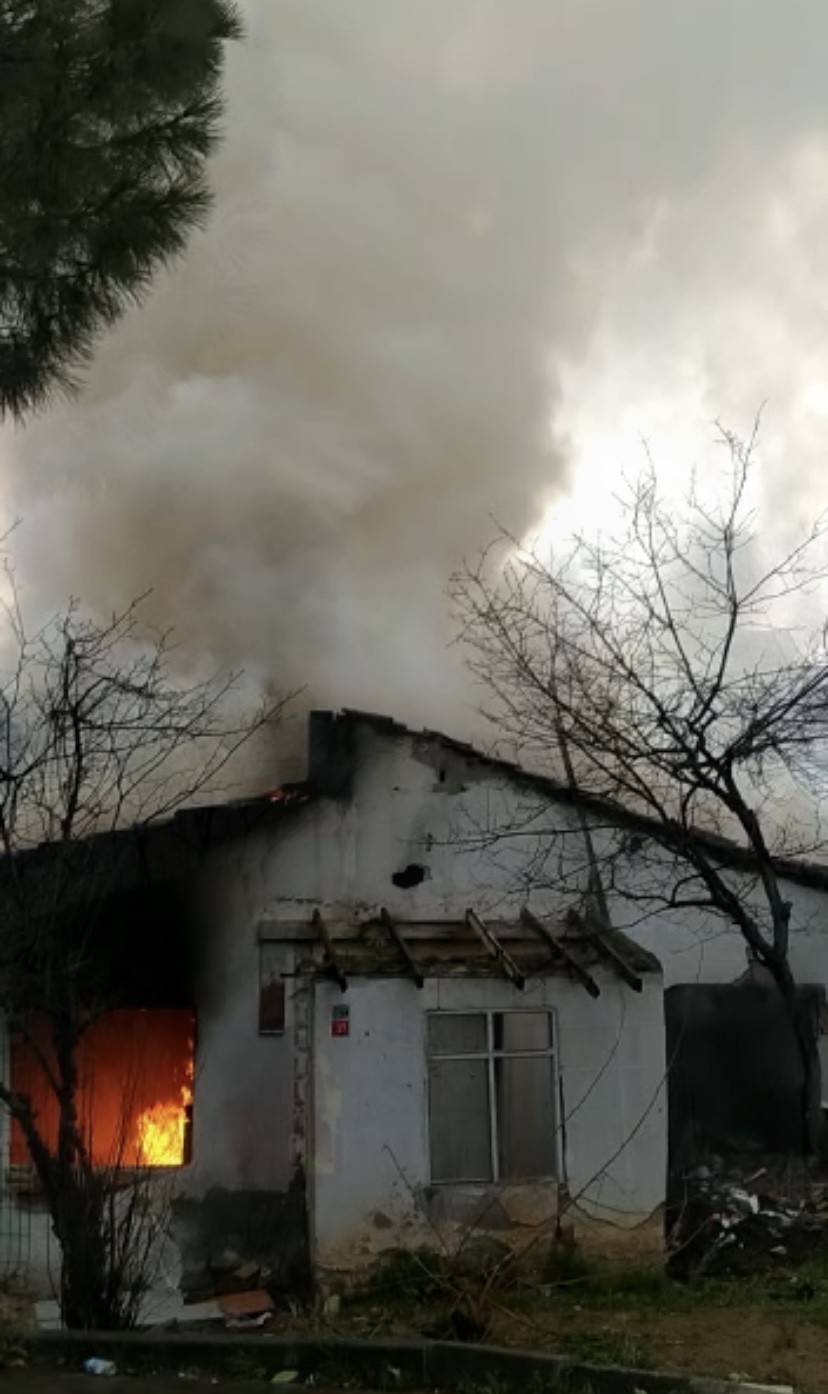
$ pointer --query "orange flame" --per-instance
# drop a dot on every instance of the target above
(162, 1133)
(286, 794)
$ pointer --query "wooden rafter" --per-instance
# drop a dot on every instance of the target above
(594, 934)
(501, 956)
(333, 964)
(560, 951)
(622, 967)
(392, 930)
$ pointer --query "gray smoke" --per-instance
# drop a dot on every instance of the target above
(430, 216)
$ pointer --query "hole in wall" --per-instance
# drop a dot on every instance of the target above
(412, 875)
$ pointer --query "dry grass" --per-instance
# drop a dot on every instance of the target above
(771, 1329)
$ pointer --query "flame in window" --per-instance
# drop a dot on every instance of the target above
(136, 1072)
(162, 1132)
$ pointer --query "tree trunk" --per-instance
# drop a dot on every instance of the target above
(84, 1287)
(80, 1210)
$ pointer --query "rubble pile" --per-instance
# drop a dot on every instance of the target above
(718, 1228)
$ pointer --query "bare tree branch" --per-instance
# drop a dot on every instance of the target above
(652, 672)
(102, 736)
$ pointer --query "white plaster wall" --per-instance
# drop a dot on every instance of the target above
(613, 1065)
(403, 813)
(370, 1130)
(242, 1095)
(406, 814)
(242, 1118)
(242, 1114)
(371, 1108)
(340, 858)
(697, 946)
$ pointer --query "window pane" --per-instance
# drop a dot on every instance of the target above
(522, 1031)
(450, 1034)
(525, 1091)
(458, 1106)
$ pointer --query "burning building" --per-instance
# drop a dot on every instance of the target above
(336, 1022)
(292, 990)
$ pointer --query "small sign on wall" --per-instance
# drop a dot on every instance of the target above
(340, 1021)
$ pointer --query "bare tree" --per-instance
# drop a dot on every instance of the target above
(101, 740)
(666, 678)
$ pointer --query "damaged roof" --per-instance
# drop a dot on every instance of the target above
(121, 858)
(386, 946)
(166, 847)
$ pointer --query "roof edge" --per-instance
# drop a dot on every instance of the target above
(800, 870)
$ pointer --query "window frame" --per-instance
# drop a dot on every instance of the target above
(490, 1055)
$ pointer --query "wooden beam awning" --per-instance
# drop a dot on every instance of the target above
(332, 962)
(593, 932)
(495, 948)
(561, 952)
(405, 953)
(520, 950)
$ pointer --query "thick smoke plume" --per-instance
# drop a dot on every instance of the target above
(432, 219)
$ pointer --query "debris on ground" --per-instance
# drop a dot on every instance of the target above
(95, 1366)
(47, 1314)
(175, 1315)
(749, 1387)
(229, 1273)
(246, 1306)
(723, 1229)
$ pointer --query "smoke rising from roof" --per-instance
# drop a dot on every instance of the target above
(425, 211)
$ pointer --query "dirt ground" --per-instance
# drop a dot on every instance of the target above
(764, 1330)
(787, 1348)
(771, 1330)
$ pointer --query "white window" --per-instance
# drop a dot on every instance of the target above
(492, 1093)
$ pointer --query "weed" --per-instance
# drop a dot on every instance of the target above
(645, 1286)
(240, 1365)
(571, 1382)
(333, 1371)
(566, 1263)
(490, 1384)
(404, 1275)
(607, 1348)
